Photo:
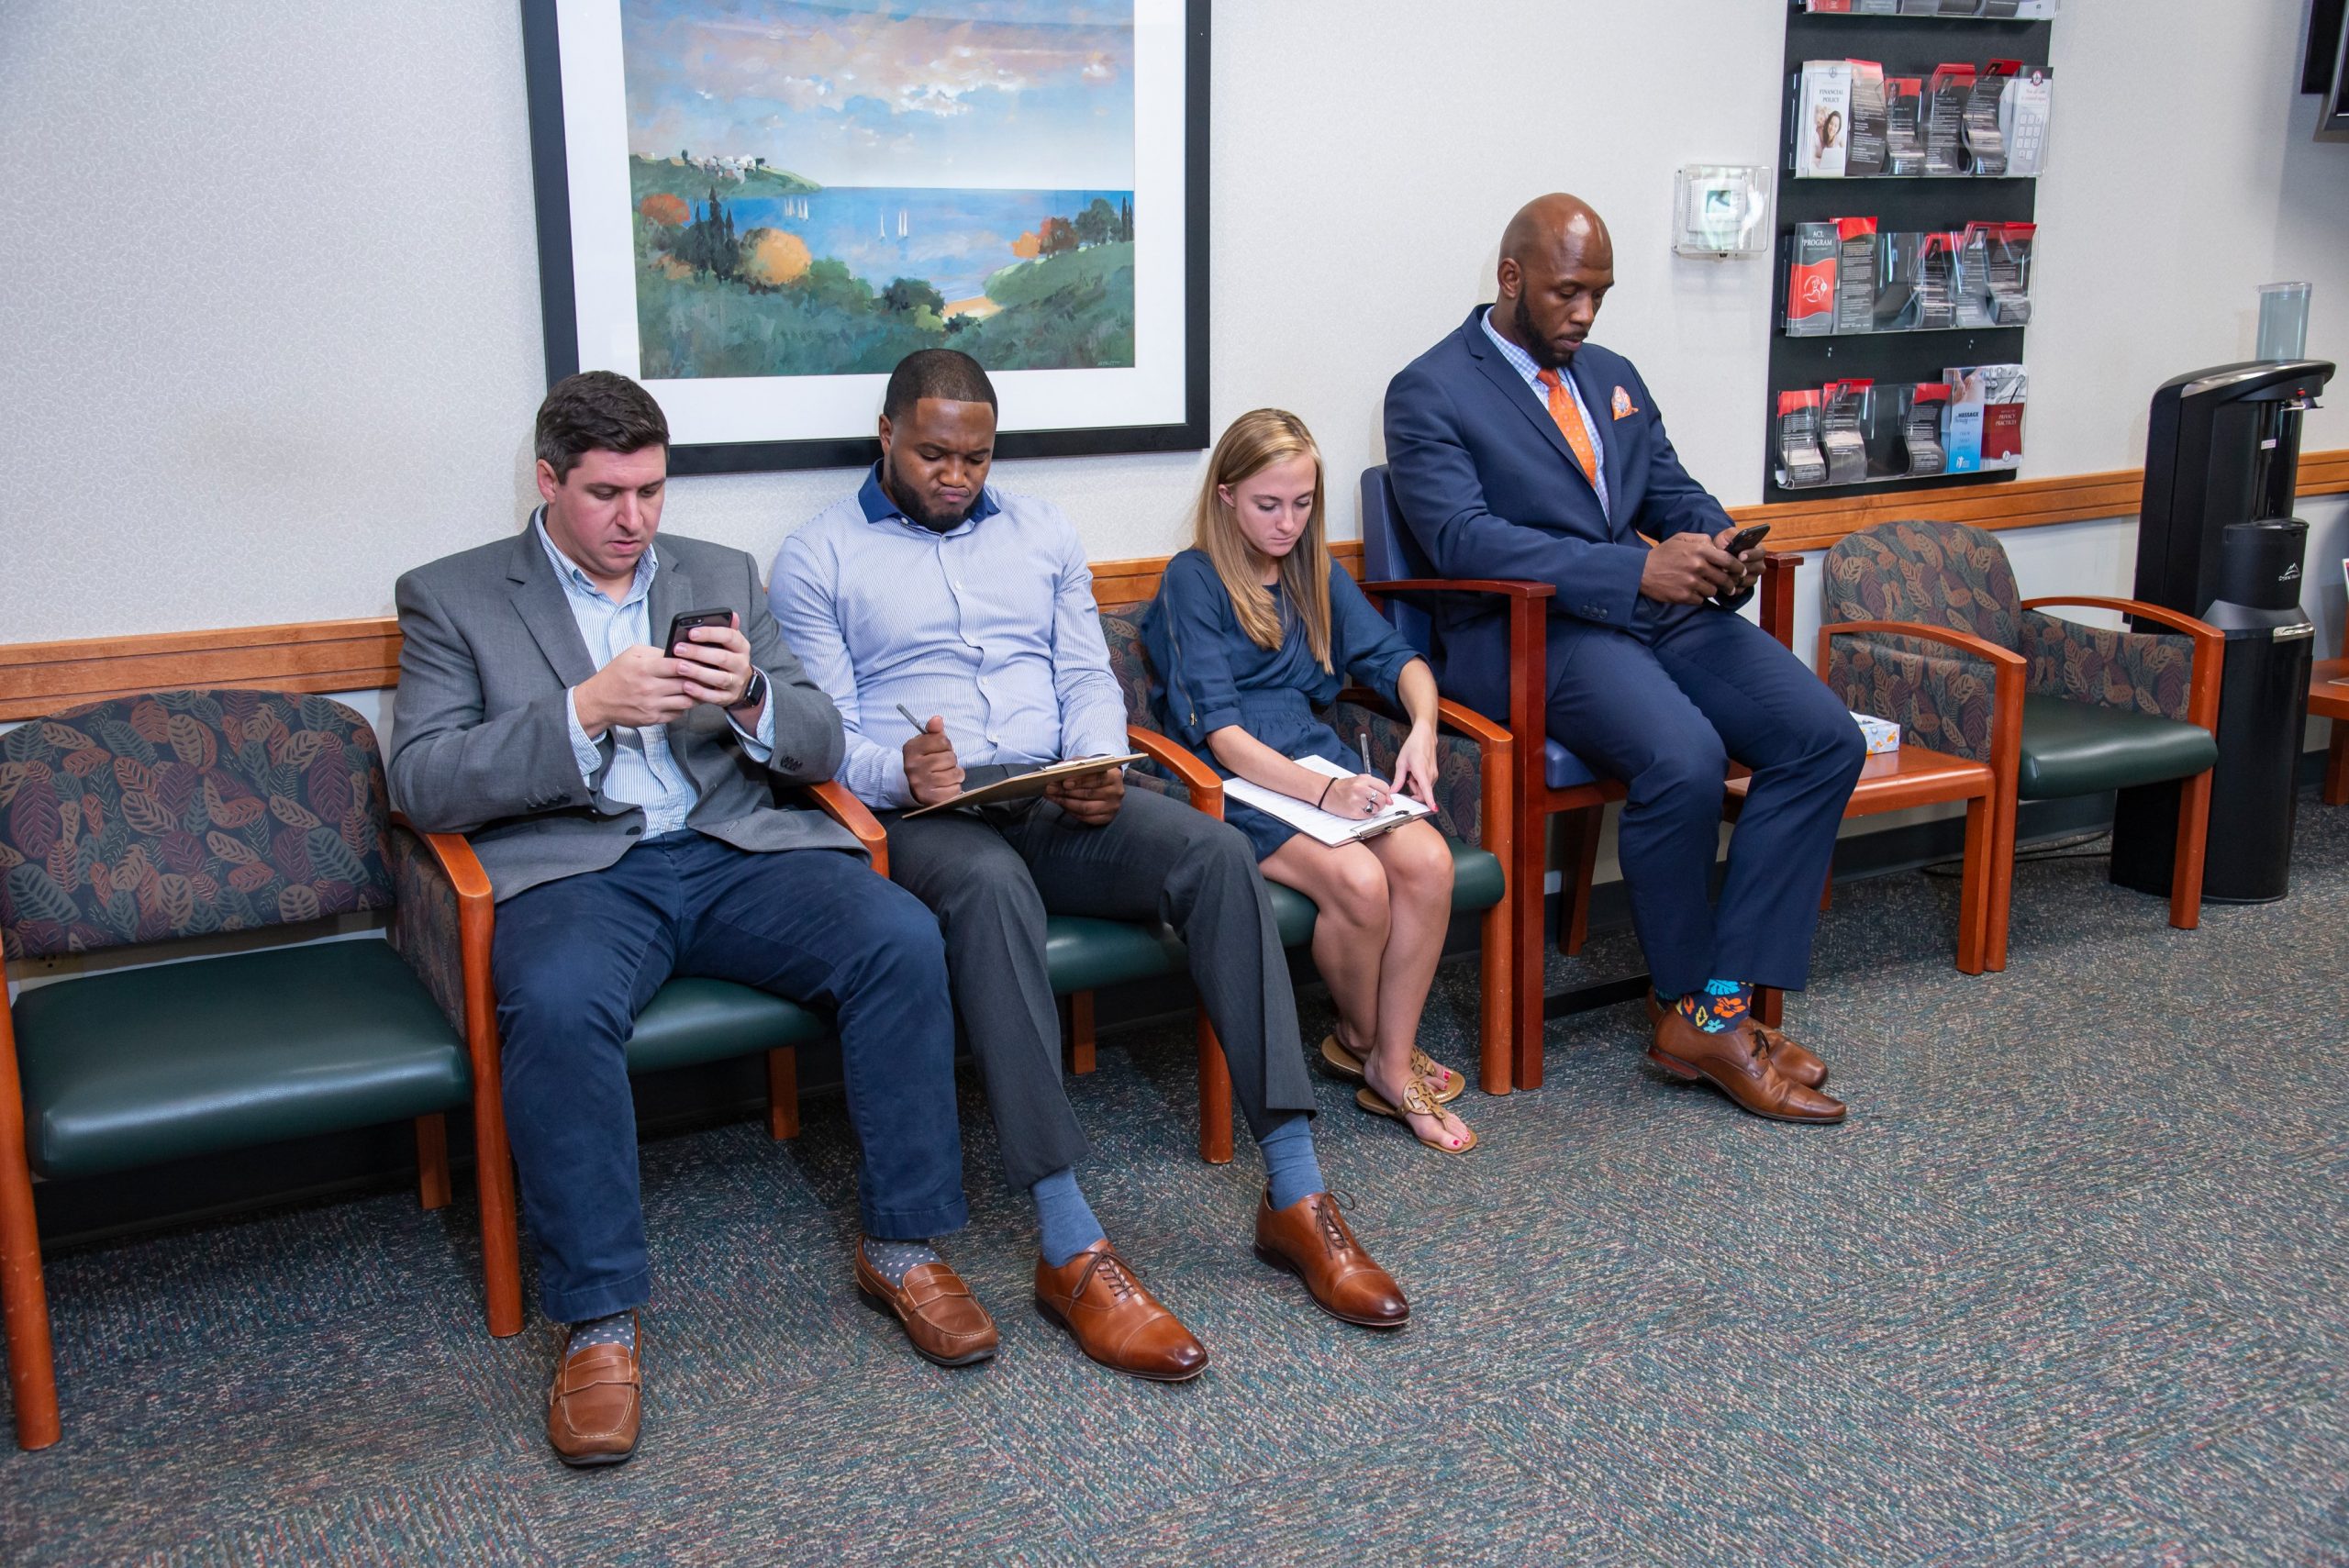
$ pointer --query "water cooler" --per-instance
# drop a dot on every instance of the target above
(2216, 539)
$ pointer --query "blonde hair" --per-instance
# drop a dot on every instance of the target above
(1255, 443)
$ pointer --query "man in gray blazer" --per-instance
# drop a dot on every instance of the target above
(621, 796)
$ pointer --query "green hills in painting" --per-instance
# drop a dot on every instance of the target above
(720, 298)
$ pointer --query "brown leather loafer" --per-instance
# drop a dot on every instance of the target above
(1310, 1239)
(1735, 1063)
(1113, 1319)
(596, 1403)
(942, 1319)
(1785, 1052)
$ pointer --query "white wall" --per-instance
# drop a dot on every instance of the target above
(267, 272)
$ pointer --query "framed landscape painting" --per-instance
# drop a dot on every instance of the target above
(757, 208)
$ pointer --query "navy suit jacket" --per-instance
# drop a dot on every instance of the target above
(1488, 488)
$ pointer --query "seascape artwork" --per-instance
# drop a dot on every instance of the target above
(820, 188)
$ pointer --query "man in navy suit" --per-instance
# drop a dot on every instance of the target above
(1520, 450)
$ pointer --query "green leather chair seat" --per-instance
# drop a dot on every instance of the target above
(2072, 748)
(691, 1021)
(144, 1065)
(1086, 954)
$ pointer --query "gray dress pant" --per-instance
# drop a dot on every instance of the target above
(993, 874)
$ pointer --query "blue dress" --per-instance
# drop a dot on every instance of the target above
(1205, 673)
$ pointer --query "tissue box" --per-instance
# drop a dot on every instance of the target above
(1883, 734)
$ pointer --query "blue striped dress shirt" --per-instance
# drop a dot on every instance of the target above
(1523, 363)
(643, 774)
(991, 625)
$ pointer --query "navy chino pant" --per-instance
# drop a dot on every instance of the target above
(1663, 708)
(574, 960)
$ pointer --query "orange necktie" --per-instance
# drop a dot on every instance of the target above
(1568, 415)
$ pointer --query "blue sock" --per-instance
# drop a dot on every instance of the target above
(617, 1328)
(893, 1261)
(1718, 1006)
(1064, 1222)
(1290, 1166)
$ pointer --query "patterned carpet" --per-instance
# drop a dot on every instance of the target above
(2069, 1287)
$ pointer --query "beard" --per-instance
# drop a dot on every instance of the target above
(1537, 347)
(909, 501)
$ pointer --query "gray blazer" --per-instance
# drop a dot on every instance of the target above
(481, 728)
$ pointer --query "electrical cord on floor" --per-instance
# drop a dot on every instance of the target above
(2072, 848)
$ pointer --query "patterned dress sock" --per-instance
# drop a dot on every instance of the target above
(1064, 1222)
(893, 1260)
(1718, 1006)
(619, 1329)
(1290, 1166)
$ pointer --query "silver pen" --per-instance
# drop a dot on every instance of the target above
(1362, 744)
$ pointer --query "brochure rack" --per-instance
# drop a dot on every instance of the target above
(1895, 250)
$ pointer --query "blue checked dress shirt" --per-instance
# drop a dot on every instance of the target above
(642, 772)
(991, 625)
(1523, 363)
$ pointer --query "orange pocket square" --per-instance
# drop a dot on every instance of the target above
(1623, 409)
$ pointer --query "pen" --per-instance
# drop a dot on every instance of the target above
(919, 726)
(1362, 744)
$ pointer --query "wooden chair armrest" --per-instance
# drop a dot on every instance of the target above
(2008, 669)
(2003, 658)
(476, 927)
(1455, 717)
(457, 862)
(1463, 586)
(2210, 645)
(1205, 787)
(833, 797)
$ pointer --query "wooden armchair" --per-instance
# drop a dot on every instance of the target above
(180, 815)
(1913, 775)
(1916, 610)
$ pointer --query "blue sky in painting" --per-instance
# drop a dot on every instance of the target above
(1009, 94)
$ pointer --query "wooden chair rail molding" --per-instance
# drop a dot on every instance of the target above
(362, 655)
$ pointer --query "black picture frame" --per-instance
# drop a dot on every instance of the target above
(558, 299)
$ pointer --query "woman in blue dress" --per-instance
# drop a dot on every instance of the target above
(1252, 630)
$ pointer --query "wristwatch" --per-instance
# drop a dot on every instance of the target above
(756, 692)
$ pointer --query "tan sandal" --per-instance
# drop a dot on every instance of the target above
(1417, 1101)
(1346, 1064)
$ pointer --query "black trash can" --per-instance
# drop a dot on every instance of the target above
(2263, 714)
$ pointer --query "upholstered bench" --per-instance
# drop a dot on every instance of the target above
(158, 820)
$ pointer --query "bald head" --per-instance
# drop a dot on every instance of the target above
(1557, 263)
(1554, 224)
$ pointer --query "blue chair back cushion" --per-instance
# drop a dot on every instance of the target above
(1389, 553)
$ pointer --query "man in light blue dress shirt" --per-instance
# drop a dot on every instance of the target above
(972, 609)
(622, 795)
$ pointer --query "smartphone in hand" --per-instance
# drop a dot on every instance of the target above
(680, 624)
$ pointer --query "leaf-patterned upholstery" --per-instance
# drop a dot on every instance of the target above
(180, 813)
(1944, 575)
(2149, 672)
(2081, 682)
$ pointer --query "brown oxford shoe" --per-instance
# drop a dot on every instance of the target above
(942, 1319)
(1310, 1239)
(1113, 1319)
(1735, 1063)
(1785, 1052)
(596, 1402)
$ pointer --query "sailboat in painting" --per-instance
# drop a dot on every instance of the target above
(901, 222)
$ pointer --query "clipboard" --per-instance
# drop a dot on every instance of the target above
(1022, 786)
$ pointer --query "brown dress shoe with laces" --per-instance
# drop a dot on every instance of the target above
(1310, 1239)
(1735, 1063)
(1113, 1319)
(942, 1319)
(1785, 1052)
(596, 1403)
